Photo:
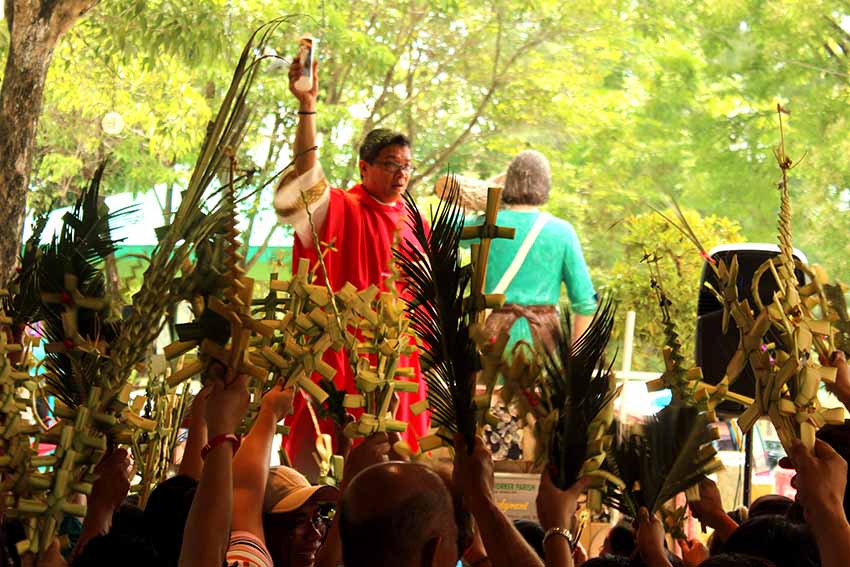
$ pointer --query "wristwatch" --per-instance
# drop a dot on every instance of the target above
(564, 533)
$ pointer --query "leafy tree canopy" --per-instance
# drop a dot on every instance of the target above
(633, 102)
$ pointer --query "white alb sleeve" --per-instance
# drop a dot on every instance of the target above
(289, 202)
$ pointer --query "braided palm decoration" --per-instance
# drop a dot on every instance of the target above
(63, 283)
(681, 380)
(651, 462)
(92, 355)
(786, 369)
(839, 316)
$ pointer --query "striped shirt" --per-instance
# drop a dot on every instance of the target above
(246, 550)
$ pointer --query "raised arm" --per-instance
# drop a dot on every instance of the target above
(304, 189)
(474, 476)
(650, 540)
(821, 481)
(305, 133)
(555, 510)
(108, 492)
(192, 464)
(205, 537)
(709, 510)
(251, 464)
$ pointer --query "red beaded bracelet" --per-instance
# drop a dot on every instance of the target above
(218, 440)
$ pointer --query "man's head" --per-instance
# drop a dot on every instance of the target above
(528, 180)
(776, 539)
(769, 505)
(735, 560)
(619, 541)
(385, 164)
(165, 516)
(295, 517)
(395, 514)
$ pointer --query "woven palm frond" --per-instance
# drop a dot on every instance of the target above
(667, 454)
(225, 133)
(81, 244)
(71, 377)
(840, 316)
(437, 284)
(79, 249)
(194, 224)
(576, 386)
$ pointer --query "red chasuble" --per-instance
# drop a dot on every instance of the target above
(361, 231)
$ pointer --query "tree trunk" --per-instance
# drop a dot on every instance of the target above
(35, 27)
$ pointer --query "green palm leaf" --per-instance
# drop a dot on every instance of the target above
(667, 454)
(437, 284)
(576, 385)
(79, 249)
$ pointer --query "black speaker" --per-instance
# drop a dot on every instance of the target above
(714, 349)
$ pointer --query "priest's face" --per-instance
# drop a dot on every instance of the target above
(387, 177)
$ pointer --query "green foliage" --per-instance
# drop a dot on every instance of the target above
(680, 265)
(631, 101)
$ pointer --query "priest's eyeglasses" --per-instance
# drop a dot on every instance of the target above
(393, 167)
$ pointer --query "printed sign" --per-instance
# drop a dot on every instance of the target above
(515, 495)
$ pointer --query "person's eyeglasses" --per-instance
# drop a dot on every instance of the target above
(321, 520)
(393, 167)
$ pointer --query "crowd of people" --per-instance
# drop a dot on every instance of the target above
(227, 507)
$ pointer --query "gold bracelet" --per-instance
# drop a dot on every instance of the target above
(563, 532)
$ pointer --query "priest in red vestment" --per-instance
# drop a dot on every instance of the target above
(360, 225)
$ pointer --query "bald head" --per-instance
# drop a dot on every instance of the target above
(398, 514)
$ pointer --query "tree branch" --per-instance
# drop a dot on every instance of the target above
(34, 29)
(403, 39)
(343, 70)
(441, 157)
(836, 27)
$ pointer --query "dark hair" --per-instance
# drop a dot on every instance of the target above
(13, 532)
(637, 561)
(403, 530)
(532, 533)
(777, 539)
(770, 505)
(166, 514)
(117, 549)
(735, 560)
(608, 561)
(128, 519)
(621, 539)
(377, 140)
(741, 514)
